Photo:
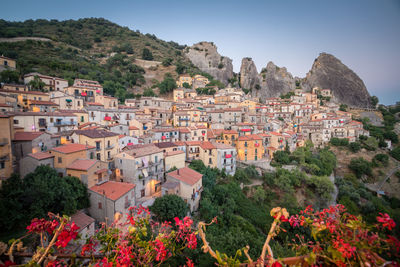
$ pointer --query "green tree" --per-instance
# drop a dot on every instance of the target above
(149, 92)
(282, 157)
(146, 54)
(167, 85)
(9, 76)
(354, 146)
(167, 62)
(40, 192)
(343, 107)
(168, 207)
(186, 85)
(36, 84)
(374, 101)
(360, 166)
(395, 153)
(382, 158)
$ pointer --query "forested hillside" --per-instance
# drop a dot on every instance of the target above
(93, 48)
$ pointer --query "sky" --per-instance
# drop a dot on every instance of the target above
(363, 34)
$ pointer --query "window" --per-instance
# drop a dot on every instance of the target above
(79, 103)
(59, 159)
(40, 98)
(245, 144)
(98, 156)
(16, 122)
(108, 155)
(98, 145)
(82, 119)
(2, 165)
(209, 161)
(100, 205)
(51, 119)
(142, 193)
(143, 183)
(121, 172)
(91, 155)
(5, 63)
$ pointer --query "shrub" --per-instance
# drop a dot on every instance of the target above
(167, 207)
(360, 166)
(355, 146)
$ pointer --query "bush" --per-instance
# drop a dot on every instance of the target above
(339, 141)
(382, 158)
(360, 166)
(395, 153)
(281, 157)
(167, 85)
(168, 207)
(146, 54)
(355, 146)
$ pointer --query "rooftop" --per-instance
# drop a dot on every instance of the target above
(113, 190)
(72, 148)
(186, 175)
(26, 136)
(82, 164)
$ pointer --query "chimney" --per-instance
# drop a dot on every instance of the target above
(178, 171)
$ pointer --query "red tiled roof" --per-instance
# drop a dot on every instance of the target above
(43, 103)
(81, 220)
(82, 164)
(26, 136)
(207, 145)
(113, 190)
(133, 128)
(186, 175)
(41, 155)
(94, 104)
(71, 148)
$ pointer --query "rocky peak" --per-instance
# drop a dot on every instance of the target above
(249, 76)
(329, 72)
(205, 56)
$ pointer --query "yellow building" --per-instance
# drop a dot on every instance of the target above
(6, 156)
(174, 159)
(7, 63)
(105, 143)
(249, 104)
(249, 147)
(208, 154)
(89, 171)
(24, 97)
(66, 154)
(184, 78)
(179, 93)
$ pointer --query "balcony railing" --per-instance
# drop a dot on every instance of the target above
(110, 147)
(64, 123)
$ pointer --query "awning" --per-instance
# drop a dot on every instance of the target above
(98, 91)
(257, 144)
(245, 130)
(228, 156)
(107, 118)
(145, 173)
(129, 144)
(163, 137)
(68, 100)
(144, 127)
(84, 94)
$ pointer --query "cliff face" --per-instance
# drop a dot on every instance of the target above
(271, 82)
(204, 55)
(329, 72)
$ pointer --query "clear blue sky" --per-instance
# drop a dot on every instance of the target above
(363, 34)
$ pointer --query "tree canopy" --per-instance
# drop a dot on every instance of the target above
(167, 207)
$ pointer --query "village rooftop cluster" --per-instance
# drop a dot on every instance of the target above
(129, 154)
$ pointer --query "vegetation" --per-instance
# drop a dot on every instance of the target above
(343, 107)
(205, 91)
(37, 84)
(168, 207)
(360, 166)
(146, 54)
(9, 76)
(167, 85)
(287, 95)
(40, 192)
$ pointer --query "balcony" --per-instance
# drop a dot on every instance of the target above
(64, 123)
(110, 147)
(98, 148)
(184, 119)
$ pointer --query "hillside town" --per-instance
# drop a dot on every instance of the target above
(131, 153)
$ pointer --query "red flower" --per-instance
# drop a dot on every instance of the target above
(189, 263)
(276, 264)
(161, 251)
(7, 263)
(386, 221)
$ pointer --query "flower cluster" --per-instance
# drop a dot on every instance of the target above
(339, 237)
(280, 213)
(39, 226)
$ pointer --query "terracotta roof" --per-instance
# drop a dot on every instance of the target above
(180, 143)
(93, 133)
(24, 92)
(5, 105)
(165, 144)
(142, 150)
(101, 171)
(193, 143)
(207, 145)
(81, 220)
(41, 155)
(43, 103)
(222, 146)
(82, 164)
(26, 136)
(133, 128)
(71, 148)
(186, 175)
(113, 190)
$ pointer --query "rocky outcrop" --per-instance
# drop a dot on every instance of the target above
(271, 82)
(329, 72)
(249, 77)
(204, 55)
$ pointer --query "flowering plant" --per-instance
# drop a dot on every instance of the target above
(342, 239)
